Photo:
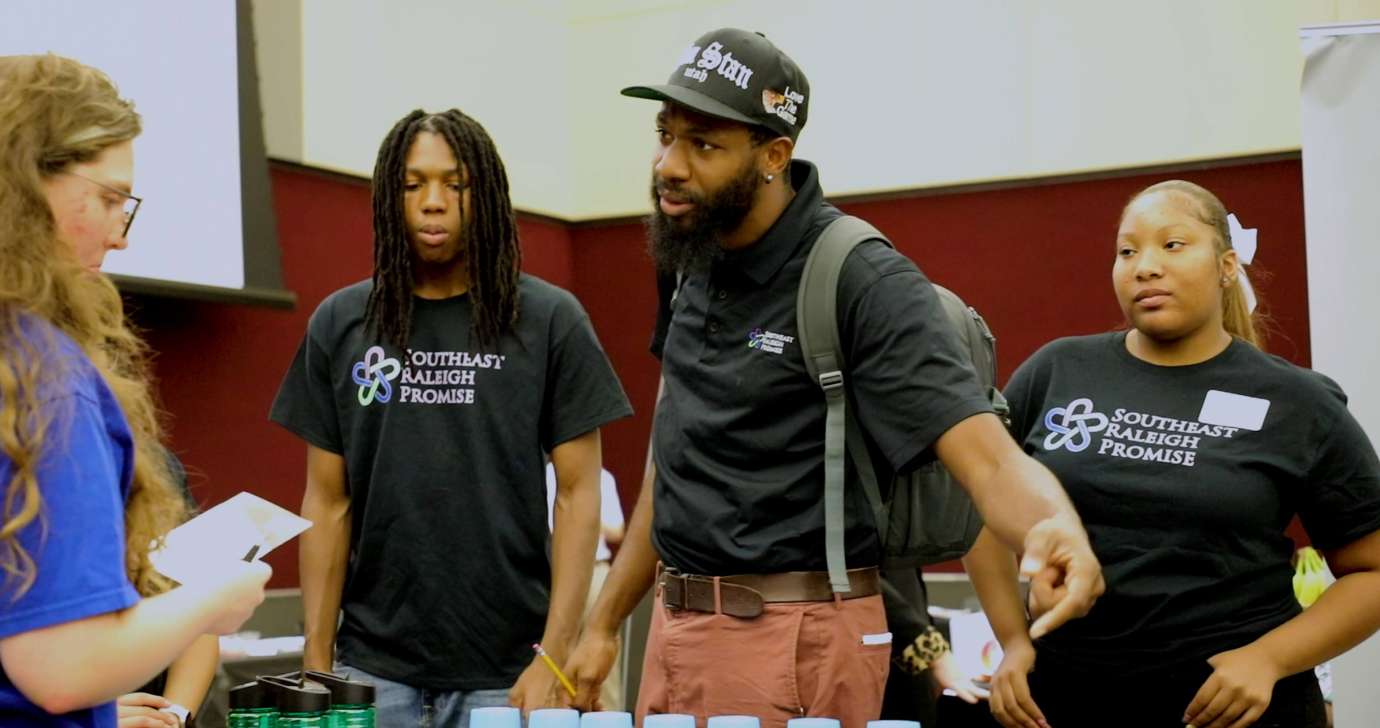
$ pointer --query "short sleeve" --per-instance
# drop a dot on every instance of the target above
(905, 368)
(78, 542)
(582, 393)
(1020, 394)
(305, 403)
(1340, 502)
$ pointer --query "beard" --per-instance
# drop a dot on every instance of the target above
(692, 241)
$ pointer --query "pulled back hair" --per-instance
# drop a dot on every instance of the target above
(491, 249)
(1237, 318)
(54, 113)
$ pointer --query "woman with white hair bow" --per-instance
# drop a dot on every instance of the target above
(1187, 451)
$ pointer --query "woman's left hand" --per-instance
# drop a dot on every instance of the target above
(1238, 691)
(141, 710)
(947, 673)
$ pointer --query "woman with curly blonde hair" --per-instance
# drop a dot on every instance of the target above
(84, 486)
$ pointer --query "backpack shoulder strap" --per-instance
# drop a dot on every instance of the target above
(816, 306)
(817, 328)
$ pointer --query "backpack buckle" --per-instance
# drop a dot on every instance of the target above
(831, 380)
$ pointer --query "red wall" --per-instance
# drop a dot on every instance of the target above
(1034, 259)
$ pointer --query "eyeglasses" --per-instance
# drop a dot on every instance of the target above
(131, 204)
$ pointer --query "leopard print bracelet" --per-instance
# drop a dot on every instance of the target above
(920, 654)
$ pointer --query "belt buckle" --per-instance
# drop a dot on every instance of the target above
(672, 588)
(677, 587)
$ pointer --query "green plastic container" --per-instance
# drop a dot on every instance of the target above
(252, 705)
(300, 704)
(301, 720)
(352, 702)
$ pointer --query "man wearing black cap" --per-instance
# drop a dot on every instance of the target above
(746, 621)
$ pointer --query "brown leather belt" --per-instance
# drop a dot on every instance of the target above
(744, 595)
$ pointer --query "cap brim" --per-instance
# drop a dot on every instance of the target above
(690, 99)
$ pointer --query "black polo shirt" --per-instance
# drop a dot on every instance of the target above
(739, 435)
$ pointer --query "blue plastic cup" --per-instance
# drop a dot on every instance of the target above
(606, 719)
(554, 718)
(893, 724)
(734, 721)
(669, 720)
(495, 718)
(813, 723)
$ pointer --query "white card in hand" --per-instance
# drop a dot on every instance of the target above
(225, 533)
(975, 646)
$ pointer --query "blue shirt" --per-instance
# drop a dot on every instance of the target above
(78, 541)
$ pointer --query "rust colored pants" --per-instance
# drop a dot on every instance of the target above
(796, 659)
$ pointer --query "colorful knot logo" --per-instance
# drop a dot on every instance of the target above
(1072, 427)
(374, 374)
(756, 337)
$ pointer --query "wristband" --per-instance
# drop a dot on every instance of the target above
(178, 711)
(929, 646)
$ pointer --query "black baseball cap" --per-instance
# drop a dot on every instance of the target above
(740, 76)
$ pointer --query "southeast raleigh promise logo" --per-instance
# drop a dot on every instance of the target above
(373, 376)
(768, 341)
(422, 377)
(1072, 427)
(1144, 436)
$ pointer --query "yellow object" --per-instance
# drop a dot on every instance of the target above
(565, 681)
(1310, 576)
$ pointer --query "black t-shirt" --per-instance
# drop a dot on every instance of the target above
(739, 434)
(1186, 478)
(449, 579)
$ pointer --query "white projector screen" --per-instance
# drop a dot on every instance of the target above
(177, 62)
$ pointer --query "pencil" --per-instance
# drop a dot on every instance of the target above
(565, 681)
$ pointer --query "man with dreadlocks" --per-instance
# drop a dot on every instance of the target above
(429, 398)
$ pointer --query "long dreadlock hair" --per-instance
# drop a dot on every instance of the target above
(492, 252)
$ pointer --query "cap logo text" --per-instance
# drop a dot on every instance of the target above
(713, 58)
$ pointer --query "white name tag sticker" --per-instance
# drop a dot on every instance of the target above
(1234, 410)
(883, 638)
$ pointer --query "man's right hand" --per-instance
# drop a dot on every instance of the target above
(589, 665)
(1065, 576)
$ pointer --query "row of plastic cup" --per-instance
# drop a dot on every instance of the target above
(564, 718)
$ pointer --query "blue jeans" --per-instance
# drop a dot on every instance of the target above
(404, 706)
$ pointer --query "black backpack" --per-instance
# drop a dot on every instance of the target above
(927, 517)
